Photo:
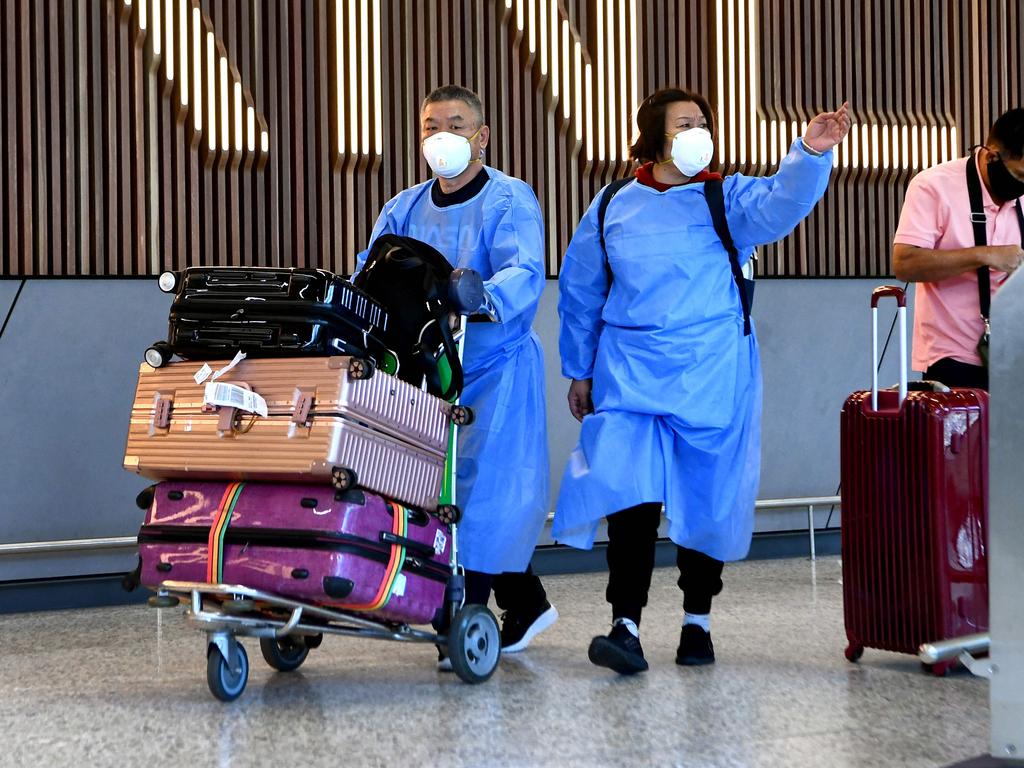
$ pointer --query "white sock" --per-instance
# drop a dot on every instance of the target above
(628, 624)
(702, 620)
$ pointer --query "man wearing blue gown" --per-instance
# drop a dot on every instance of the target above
(481, 219)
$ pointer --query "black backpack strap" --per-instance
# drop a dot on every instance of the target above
(978, 220)
(602, 208)
(715, 199)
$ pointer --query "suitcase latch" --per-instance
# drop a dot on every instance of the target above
(162, 413)
(303, 405)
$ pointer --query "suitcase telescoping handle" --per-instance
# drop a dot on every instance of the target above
(901, 299)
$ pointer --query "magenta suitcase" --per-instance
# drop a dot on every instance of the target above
(915, 513)
(351, 550)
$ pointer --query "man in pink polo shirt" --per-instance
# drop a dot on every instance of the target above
(935, 246)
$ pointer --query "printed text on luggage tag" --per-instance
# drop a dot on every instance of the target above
(234, 396)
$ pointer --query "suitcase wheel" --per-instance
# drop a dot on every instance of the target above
(162, 601)
(937, 670)
(159, 354)
(285, 654)
(474, 644)
(449, 514)
(462, 415)
(225, 683)
(343, 478)
(854, 652)
(360, 368)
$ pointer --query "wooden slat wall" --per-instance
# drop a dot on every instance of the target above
(139, 135)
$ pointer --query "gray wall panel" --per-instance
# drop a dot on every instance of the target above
(8, 290)
(69, 360)
(68, 364)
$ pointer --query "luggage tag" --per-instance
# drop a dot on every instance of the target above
(235, 397)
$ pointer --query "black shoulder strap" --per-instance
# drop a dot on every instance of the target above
(716, 204)
(602, 207)
(978, 221)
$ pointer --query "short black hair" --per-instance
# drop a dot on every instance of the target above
(1008, 133)
(455, 93)
(650, 119)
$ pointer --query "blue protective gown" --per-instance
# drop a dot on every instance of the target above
(502, 471)
(676, 384)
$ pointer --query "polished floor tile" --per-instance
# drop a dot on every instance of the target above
(126, 686)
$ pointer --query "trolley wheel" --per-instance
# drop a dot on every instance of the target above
(343, 478)
(237, 607)
(474, 644)
(159, 354)
(449, 514)
(462, 415)
(314, 641)
(162, 601)
(937, 670)
(854, 652)
(284, 654)
(360, 368)
(225, 684)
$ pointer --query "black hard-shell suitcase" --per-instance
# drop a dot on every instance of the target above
(267, 312)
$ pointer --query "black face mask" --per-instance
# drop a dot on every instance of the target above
(1001, 182)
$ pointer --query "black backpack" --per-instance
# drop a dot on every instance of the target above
(411, 280)
(716, 204)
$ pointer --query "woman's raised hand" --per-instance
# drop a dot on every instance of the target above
(828, 129)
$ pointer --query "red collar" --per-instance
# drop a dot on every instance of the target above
(645, 175)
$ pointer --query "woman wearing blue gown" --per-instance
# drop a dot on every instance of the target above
(664, 363)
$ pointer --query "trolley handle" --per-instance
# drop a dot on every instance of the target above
(901, 299)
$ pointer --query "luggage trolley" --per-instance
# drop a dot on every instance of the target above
(288, 629)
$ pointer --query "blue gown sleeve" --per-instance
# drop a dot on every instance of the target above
(582, 291)
(761, 210)
(516, 257)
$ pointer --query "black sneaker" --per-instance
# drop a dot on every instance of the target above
(695, 647)
(518, 629)
(444, 663)
(619, 650)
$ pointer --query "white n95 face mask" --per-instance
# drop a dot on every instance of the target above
(447, 154)
(692, 150)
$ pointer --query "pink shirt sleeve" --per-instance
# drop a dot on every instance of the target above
(922, 220)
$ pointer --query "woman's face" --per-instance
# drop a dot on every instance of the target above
(681, 116)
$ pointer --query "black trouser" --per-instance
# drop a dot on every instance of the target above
(953, 373)
(516, 592)
(632, 535)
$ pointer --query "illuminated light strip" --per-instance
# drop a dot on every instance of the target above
(340, 72)
(610, 57)
(752, 47)
(250, 121)
(364, 69)
(378, 94)
(156, 28)
(579, 92)
(224, 113)
(142, 15)
(197, 58)
(532, 34)
(353, 78)
(633, 81)
(566, 98)
(519, 14)
(600, 81)
(742, 98)
(169, 39)
(211, 84)
(623, 90)
(543, 37)
(555, 27)
(732, 81)
(589, 80)
(238, 116)
(183, 28)
(721, 87)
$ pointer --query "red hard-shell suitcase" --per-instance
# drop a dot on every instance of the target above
(914, 468)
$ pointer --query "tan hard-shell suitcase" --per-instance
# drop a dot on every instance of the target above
(320, 419)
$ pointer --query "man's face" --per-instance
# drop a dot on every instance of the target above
(454, 117)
